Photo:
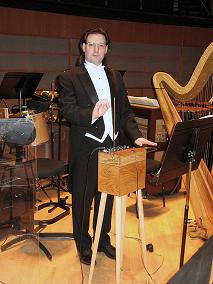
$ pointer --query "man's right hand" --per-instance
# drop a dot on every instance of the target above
(100, 109)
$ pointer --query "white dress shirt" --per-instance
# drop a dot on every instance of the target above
(101, 84)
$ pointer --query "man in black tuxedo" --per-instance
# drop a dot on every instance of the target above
(93, 99)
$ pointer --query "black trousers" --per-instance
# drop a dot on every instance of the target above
(84, 188)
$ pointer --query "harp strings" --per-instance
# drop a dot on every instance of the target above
(196, 108)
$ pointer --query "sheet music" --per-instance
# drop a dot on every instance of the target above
(143, 101)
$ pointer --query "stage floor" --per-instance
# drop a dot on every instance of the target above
(25, 263)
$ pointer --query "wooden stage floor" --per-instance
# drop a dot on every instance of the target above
(26, 264)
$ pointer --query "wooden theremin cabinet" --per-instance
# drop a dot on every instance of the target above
(122, 172)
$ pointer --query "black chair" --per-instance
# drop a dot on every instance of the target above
(152, 171)
(47, 168)
(50, 168)
(154, 168)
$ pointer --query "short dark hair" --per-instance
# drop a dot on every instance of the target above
(83, 39)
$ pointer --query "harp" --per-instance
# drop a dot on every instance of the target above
(193, 95)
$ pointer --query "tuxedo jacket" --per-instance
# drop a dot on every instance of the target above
(77, 98)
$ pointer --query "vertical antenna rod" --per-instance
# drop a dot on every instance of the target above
(113, 142)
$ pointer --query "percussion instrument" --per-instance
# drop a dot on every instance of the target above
(17, 131)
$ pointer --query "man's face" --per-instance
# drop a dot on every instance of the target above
(95, 48)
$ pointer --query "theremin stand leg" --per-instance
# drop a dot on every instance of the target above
(120, 226)
(141, 223)
(97, 234)
(123, 219)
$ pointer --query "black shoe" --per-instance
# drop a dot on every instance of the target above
(85, 256)
(109, 251)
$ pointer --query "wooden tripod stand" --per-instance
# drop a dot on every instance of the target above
(120, 173)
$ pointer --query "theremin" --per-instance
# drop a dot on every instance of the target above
(121, 172)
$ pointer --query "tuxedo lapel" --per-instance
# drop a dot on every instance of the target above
(87, 84)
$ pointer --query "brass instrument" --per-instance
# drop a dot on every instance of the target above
(46, 95)
(201, 179)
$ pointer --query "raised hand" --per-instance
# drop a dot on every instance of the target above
(100, 109)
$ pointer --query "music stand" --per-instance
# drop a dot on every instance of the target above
(183, 155)
(19, 85)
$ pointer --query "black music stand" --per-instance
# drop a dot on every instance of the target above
(19, 85)
(183, 155)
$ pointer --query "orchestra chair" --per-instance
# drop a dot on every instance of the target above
(45, 106)
(160, 177)
(47, 168)
(126, 169)
(36, 106)
(152, 168)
